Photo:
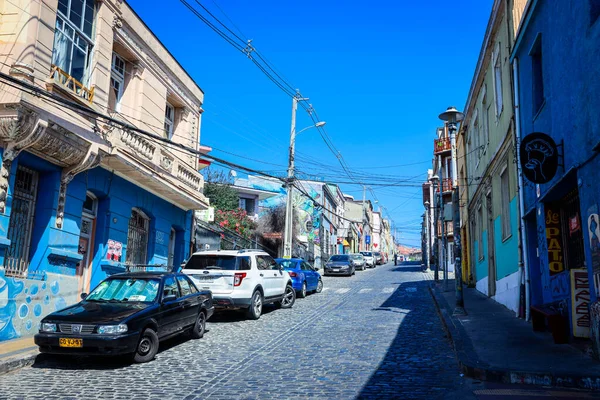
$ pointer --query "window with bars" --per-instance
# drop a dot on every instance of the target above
(20, 226)
(137, 238)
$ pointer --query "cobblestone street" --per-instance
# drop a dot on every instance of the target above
(373, 335)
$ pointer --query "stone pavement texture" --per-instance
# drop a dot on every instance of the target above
(375, 335)
(492, 344)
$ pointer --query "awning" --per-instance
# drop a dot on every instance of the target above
(345, 243)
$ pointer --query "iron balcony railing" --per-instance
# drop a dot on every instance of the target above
(71, 84)
(441, 145)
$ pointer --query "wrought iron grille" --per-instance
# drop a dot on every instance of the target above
(21, 222)
(137, 238)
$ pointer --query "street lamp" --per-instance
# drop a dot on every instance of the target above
(452, 116)
(440, 256)
(289, 215)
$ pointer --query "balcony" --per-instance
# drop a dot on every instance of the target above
(446, 186)
(69, 85)
(160, 171)
(441, 146)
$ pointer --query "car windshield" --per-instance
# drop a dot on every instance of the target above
(339, 258)
(212, 261)
(287, 264)
(355, 256)
(125, 290)
(366, 253)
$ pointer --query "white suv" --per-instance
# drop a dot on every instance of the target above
(241, 279)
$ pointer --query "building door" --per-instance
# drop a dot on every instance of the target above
(490, 245)
(86, 241)
(171, 258)
(451, 257)
(20, 226)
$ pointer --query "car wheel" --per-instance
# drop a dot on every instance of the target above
(289, 297)
(319, 286)
(199, 326)
(302, 293)
(353, 271)
(147, 347)
(256, 304)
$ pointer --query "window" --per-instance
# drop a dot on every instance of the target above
(73, 42)
(137, 238)
(476, 138)
(505, 193)
(497, 59)
(485, 125)
(594, 11)
(90, 205)
(184, 285)
(193, 288)
(169, 120)
(170, 287)
(20, 226)
(249, 205)
(480, 232)
(267, 262)
(244, 264)
(537, 75)
(117, 82)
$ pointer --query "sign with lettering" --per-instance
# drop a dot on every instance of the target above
(554, 241)
(580, 303)
(539, 157)
(272, 235)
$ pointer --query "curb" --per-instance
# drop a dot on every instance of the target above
(471, 366)
(18, 361)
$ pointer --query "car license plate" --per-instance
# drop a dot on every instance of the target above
(336, 269)
(70, 342)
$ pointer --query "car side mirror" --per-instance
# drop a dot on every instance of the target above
(83, 296)
(169, 298)
(316, 268)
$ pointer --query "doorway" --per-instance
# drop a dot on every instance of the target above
(171, 256)
(86, 241)
(490, 245)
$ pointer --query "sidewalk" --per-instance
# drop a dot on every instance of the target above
(18, 353)
(492, 344)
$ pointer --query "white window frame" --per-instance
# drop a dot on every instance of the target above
(476, 139)
(169, 123)
(77, 39)
(497, 78)
(505, 196)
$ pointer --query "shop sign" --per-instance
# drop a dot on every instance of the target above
(580, 302)
(539, 157)
(554, 242)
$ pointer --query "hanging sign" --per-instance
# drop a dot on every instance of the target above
(554, 242)
(539, 157)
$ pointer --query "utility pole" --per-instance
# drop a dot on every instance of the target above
(364, 219)
(427, 235)
(289, 210)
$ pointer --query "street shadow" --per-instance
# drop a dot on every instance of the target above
(228, 316)
(420, 359)
(407, 268)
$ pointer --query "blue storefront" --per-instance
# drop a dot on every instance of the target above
(53, 250)
(557, 63)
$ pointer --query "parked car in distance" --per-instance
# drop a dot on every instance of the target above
(378, 257)
(359, 261)
(339, 264)
(369, 258)
(128, 313)
(241, 279)
(305, 277)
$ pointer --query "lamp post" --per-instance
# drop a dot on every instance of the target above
(452, 116)
(289, 214)
(427, 236)
(435, 182)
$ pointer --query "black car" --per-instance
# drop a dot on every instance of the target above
(128, 313)
(339, 264)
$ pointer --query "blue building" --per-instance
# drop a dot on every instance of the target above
(556, 60)
(81, 197)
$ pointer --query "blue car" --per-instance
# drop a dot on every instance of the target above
(305, 277)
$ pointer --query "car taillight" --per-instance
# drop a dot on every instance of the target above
(293, 274)
(238, 277)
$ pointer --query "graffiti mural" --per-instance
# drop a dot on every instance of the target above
(594, 235)
(309, 215)
(24, 302)
(559, 285)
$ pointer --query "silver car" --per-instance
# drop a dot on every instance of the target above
(358, 260)
(369, 258)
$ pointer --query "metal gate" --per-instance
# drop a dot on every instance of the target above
(137, 238)
(572, 230)
(21, 222)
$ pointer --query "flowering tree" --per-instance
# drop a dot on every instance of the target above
(237, 221)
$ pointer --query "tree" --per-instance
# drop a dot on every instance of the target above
(217, 187)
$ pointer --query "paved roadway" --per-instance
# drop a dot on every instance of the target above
(375, 335)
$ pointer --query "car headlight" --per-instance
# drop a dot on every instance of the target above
(112, 329)
(48, 327)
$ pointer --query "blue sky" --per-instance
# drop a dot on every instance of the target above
(378, 72)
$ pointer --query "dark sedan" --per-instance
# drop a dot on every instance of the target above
(339, 264)
(128, 313)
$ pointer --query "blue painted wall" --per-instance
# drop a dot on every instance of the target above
(507, 251)
(570, 34)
